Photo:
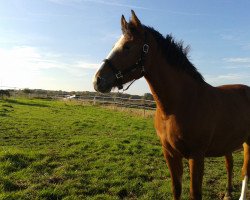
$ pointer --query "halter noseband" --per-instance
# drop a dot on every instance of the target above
(119, 74)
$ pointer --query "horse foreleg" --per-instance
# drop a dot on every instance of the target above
(229, 167)
(175, 167)
(245, 170)
(196, 166)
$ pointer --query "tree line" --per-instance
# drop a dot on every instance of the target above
(40, 93)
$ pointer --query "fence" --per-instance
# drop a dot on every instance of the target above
(118, 101)
(126, 102)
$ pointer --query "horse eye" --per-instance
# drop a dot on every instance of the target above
(126, 47)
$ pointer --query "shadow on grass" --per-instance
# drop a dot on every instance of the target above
(3, 115)
(25, 103)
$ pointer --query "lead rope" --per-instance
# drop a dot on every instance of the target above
(123, 90)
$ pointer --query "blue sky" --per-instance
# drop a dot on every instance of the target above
(59, 44)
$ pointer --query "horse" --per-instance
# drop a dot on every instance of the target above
(193, 119)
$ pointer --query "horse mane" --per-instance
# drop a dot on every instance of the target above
(175, 54)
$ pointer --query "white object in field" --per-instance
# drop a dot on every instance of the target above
(244, 189)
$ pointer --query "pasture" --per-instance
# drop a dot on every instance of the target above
(64, 150)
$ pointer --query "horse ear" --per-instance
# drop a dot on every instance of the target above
(124, 24)
(135, 21)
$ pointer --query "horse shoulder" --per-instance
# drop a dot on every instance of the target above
(170, 134)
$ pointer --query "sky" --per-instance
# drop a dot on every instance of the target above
(59, 44)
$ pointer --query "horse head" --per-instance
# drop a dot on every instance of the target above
(125, 62)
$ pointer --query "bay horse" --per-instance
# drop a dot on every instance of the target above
(193, 119)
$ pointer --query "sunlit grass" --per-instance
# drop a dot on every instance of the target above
(65, 150)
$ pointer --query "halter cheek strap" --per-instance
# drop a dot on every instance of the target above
(139, 65)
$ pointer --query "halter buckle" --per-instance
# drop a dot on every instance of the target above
(119, 75)
(145, 48)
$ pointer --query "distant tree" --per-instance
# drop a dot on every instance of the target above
(148, 96)
(135, 97)
(4, 93)
(26, 91)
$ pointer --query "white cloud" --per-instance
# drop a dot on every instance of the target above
(230, 78)
(229, 36)
(87, 65)
(238, 60)
(25, 66)
(109, 3)
(25, 58)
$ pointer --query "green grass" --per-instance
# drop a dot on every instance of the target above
(62, 150)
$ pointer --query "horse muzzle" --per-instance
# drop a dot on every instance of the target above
(101, 84)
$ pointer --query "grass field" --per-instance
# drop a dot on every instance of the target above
(63, 150)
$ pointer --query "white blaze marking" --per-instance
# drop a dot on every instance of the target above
(244, 189)
(116, 47)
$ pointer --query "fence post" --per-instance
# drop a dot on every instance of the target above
(144, 110)
(14, 93)
(114, 99)
(94, 100)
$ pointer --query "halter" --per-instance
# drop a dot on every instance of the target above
(119, 74)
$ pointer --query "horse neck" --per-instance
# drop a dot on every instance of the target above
(173, 89)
